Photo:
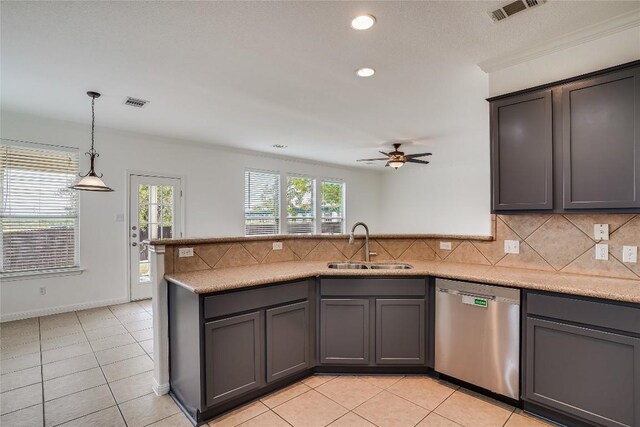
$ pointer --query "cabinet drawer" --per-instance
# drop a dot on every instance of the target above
(373, 287)
(251, 299)
(601, 314)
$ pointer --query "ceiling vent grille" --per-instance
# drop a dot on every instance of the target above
(135, 102)
(512, 8)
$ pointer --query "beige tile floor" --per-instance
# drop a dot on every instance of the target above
(93, 368)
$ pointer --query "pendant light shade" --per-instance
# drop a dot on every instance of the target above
(91, 181)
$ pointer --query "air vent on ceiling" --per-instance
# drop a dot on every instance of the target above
(512, 8)
(135, 102)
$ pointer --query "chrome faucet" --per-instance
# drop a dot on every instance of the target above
(352, 238)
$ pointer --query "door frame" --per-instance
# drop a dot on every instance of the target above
(182, 221)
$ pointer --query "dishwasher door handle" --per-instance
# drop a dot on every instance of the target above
(466, 294)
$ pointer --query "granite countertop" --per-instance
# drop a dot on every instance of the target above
(224, 279)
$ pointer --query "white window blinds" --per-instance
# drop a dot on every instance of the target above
(39, 213)
(261, 203)
(332, 200)
(300, 205)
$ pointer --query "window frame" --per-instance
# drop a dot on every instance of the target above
(314, 198)
(278, 204)
(75, 269)
(344, 204)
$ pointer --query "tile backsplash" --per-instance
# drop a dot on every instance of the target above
(560, 243)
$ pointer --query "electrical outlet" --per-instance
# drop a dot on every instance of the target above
(446, 246)
(630, 254)
(185, 252)
(277, 246)
(602, 252)
(511, 246)
(601, 232)
(43, 290)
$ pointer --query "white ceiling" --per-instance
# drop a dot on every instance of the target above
(254, 74)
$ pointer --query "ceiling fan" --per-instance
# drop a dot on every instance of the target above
(397, 158)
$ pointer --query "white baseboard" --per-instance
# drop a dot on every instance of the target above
(160, 389)
(60, 309)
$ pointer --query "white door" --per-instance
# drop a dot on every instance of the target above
(155, 209)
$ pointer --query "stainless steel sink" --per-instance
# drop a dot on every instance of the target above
(348, 265)
(390, 266)
(366, 266)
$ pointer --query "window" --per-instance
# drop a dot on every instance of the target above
(300, 205)
(261, 203)
(332, 204)
(39, 213)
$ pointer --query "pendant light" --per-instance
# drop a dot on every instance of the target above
(91, 181)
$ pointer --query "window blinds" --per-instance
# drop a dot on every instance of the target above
(332, 207)
(39, 213)
(300, 205)
(261, 203)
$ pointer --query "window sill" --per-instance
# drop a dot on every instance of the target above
(27, 275)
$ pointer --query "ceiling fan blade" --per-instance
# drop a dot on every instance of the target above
(424, 162)
(382, 152)
(411, 156)
(370, 160)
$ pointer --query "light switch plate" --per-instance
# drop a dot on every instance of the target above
(630, 254)
(277, 246)
(185, 252)
(511, 246)
(446, 246)
(601, 232)
(602, 251)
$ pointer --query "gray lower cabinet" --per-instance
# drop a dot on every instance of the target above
(400, 331)
(287, 340)
(587, 371)
(344, 331)
(234, 357)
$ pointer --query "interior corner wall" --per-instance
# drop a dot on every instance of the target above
(214, 204)
(450, 195)
(614, 49)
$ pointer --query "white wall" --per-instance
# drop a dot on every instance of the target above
(451, 195)
(613, 49)
(214, 198)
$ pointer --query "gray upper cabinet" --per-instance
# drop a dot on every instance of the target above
(522, 152)
(601, 141)
(344, 331)
(568, 146)
(400, 331)
(287, 339)
(238, 368)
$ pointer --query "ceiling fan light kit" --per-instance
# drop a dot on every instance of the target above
(396, 158)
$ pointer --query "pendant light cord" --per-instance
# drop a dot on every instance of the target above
(93, 125)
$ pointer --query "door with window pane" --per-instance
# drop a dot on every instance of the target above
(155, 207)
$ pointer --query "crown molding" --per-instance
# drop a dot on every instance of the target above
(575, 38)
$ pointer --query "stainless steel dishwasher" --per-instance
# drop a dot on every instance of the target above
(478, 335)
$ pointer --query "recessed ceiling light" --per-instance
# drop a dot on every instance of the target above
(363, 22)
(279, 146)
(365, 72)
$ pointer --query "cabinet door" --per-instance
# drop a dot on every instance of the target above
(601, 142)
(344, 331)
(234, 358)
(521, 152)
(400, 331)
(583, 372)
(287, 340)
